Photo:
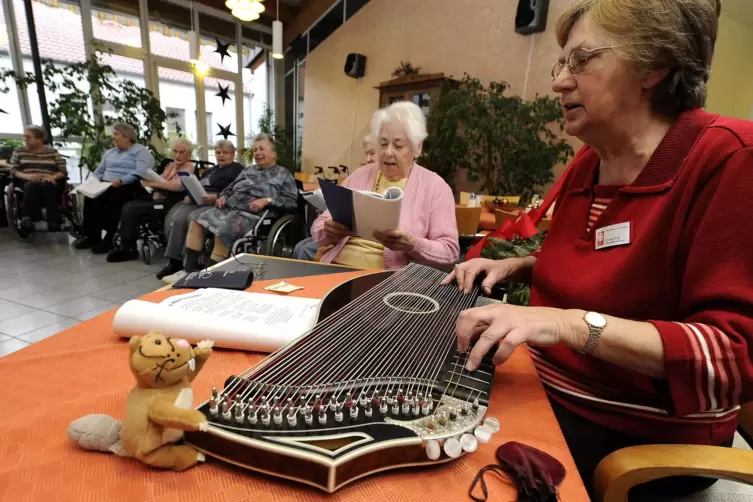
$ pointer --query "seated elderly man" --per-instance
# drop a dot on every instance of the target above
(262, 186)
(40, 171)
(427, 231)
(214, 180)
(123, 166)
(165, 194)
(307, 248)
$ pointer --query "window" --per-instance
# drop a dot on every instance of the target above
(178, 97)
(176, 122)
(114, 27)
(326, 26)
(10, 117)
(353, 6)
(210, 139)
(254, 89)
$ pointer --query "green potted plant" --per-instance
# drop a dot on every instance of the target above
(71, 113)
(506, 143)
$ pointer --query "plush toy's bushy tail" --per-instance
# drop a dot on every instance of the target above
(98, 433)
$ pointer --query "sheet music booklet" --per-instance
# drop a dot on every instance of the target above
(362, 211)
(240, 320)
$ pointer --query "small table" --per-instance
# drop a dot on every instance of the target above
(279, 268)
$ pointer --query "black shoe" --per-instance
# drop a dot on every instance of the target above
(26, 228)
(120, 255)
(103, 247)
(171, 266)
(86, 242)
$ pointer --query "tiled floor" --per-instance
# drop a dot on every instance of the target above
(47, 286)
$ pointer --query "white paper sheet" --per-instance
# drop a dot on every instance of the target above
(194, 187)
(316, 199)
(233, 319)
(92, 187)
(150, 175)
(374, 213)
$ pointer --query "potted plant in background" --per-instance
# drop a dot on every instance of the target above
(507, 144)
(72, 114)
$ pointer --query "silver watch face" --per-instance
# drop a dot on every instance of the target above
(595, 319)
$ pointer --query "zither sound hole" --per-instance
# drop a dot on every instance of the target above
(411, 303)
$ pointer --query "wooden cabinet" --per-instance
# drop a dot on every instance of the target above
(423, 90)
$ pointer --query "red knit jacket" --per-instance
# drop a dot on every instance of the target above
(688, 270)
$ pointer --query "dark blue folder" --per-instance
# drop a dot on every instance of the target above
(339, 203)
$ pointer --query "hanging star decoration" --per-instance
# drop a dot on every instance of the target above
(222, 49)
(3, 111)
(223, 93)
(225, 131)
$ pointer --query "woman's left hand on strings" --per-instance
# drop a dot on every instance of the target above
(511, 325)
(396, 240)
(258, 205)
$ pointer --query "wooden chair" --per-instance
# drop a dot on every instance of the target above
(512, 200)
(467, 219)
(626, 468)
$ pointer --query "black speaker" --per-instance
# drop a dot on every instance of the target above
(355, 65)
(531, 16)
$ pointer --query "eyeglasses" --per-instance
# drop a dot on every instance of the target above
(577, 60)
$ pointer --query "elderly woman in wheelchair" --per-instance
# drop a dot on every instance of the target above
(40, 171)
(214, 180)
(262, 190)
(165, 194)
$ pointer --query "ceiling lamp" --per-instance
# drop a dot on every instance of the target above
(245, 10)
(277, 35)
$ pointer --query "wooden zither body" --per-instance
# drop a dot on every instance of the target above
(377, 384)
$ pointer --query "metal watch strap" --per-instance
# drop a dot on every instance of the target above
(594, 333)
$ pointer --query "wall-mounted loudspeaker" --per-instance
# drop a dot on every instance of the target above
(531, 16)
(355, 65)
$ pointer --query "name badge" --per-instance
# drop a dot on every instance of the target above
(613, 235)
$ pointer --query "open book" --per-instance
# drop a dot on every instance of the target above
(362, 211)
(92, 187)
(233, 319)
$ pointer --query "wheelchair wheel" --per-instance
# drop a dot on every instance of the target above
(14, 219)
(116, 240)
(146, 253)
(282, 238)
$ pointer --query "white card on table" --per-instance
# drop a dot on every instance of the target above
(613, 235)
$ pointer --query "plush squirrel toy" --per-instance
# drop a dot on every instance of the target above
(158, 409)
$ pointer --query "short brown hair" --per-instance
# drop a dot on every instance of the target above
(677, 35)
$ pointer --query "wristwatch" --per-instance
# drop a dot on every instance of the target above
(596, 324)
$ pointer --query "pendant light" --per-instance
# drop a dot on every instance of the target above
(277, 35)
(245, 10)
(200, 67)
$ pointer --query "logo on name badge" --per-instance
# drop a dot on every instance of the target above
(613, 235)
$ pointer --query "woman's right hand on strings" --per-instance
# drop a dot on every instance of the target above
(220, 203)
(496, 271)
(336, 230)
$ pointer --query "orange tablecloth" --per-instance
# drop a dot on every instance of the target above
(84, 370)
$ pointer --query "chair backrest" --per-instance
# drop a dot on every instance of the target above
(500, 216)
(467, 219)
(202, 165)
(512, 200)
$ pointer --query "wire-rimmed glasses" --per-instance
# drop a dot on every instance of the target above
(577, 60)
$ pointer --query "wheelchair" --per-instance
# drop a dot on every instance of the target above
(276, 237)
(70, 210)
(152, 230)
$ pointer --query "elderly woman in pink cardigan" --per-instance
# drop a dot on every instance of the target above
(427, 231)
